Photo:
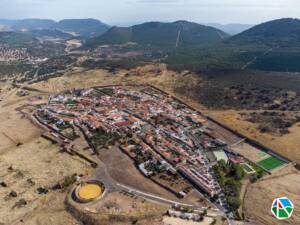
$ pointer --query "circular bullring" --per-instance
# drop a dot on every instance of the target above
(89, 191)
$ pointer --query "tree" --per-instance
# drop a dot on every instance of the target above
(223, 166)
(238, 171)
(234, 202)
(232, 187)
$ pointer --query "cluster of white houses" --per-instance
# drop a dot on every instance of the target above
(165, 134)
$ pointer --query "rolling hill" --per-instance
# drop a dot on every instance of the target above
(163, 35)
(277, 33)
(32, 24)
(15, 39)
(81, 27)
(270, 46)
(275, 45)
(27, 24)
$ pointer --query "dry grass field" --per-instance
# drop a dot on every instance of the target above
(14, 128)
(49, 211)
(260, 195)
(25, 169)
(287, 145)
(117, 208)
(121, 204)
(165, 79)
(122, 170)
(29, 162)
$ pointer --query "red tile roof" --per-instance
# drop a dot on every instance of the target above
(123, 124)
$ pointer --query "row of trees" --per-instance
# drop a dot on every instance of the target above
(230, 176)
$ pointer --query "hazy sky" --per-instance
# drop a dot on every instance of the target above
(124, 12)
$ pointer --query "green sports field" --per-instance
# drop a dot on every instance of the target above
(270, 163)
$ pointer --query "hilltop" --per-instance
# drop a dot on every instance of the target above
(277, 33)
(164, 35)
(270, 46)
(84, 27)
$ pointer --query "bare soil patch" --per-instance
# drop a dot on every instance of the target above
(123, 170)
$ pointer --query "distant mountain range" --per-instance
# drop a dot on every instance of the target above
(274, 45)
(232, 29)
(163, 35)
(81, 27)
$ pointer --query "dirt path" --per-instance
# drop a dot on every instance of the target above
(178, 38)
(255, 58)
(242, 196)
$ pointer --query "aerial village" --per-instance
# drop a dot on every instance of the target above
(168, 142)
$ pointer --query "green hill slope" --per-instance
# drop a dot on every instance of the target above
(271, 46)
(164, 35)
(14, 39)
(277, 33)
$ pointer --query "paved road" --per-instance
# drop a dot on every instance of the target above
(103, 175)
(111, 185)
(152, 196)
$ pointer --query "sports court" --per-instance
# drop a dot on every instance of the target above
(263, 159)
(271, 163)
